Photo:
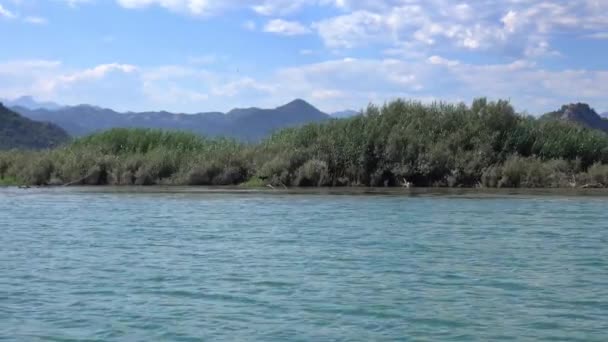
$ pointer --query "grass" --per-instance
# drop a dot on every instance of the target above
(9, 181)
(253, 183)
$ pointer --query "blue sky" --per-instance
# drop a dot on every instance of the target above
(207, 55)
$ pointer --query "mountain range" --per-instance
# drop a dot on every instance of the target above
(580, 113)
(345, 114)
(247, 124)
(30, 103)
(44, 124)
(23, 133)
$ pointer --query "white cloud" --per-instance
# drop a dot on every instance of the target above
(75, 3)
(515, 27)
(286, 28)
(46, 78)
(35, 20)
(331, 85)
(236, 87)
(357, 28)
(438, 60)
(6, 13)
(95, 73)
(278, 7)
(598, 35)
(194, 7)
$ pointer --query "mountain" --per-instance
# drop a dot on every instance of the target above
(247, 124)
(579, 113)
(604, 115)
(19, 132)
(29, 103)
(345, 113)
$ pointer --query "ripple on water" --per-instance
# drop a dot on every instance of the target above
(120, 266)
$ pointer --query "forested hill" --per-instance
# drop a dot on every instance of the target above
(23, 133)
(579, 113)
(247, 124)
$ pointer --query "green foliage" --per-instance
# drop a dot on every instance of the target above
(254, 182)
(598, 174)
(485, 144)
(22, 133)
(9, 181)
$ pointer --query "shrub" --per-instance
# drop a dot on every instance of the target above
(598, 173)
(491, 176)
(313, 173)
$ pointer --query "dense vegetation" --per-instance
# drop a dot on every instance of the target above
(485, 144)
(19, 132)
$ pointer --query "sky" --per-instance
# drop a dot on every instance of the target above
(213, 55)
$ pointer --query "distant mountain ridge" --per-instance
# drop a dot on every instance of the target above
(579, 113)
(345, 113)
(30, 103)
(23, 133)
(247, 124)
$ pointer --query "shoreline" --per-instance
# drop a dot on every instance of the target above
(334, 191)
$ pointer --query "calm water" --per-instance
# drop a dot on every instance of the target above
(80, 264)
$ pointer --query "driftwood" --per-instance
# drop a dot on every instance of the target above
(592, 186)
(273, 188)
(94, 173)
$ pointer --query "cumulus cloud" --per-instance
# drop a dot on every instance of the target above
(45, 78)
(96, 72)
(524, 27)
(332, 85)
(194, 7)
(598, 35)
(410, 49)
(6, 13)
(286, 28)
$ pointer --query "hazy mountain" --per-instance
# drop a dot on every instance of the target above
(604, 115)
(29, 103)
(19, 132)
(345, 113)
(248, 124)
(579, 113)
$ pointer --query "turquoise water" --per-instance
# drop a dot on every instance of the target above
(82, 264)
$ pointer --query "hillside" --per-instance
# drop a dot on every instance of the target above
(579, 113)
(249, 124)
(30, 103)
(23, 133)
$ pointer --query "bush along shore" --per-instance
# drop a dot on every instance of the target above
(401, 143)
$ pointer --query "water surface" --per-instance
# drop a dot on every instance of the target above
(94, 264)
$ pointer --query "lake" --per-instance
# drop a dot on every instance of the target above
(129, 264)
